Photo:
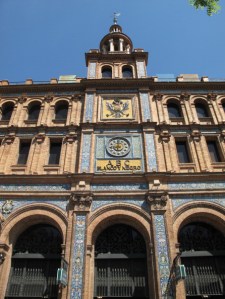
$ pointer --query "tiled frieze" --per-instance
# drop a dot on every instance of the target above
(118, 187)
(35, 187)
(151, 154)
(118, 91)
(78, 257)
(196, 185)
(89, 107)
(180, 200)
(101, 202)
(9, 206)
(85, 158)
(145, 106)
(92, 70)
(162, 252)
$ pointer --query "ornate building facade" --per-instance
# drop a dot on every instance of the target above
(119, 175)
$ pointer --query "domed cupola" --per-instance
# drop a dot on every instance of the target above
(116, 41)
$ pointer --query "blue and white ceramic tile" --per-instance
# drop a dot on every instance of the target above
(151, 153)
(196, 185)
(35, 187)
(78, 257)
(145, 106)
(92, 70)
(180, 200)
(104, 202)
(140, 69)
(89, 107)
(86, 149)
(118, 187)
(163, 253)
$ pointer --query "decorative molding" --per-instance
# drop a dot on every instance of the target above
(104, 202)
(184, 96)
(165, 135)
(196, 135)
(81, 200)
(158, 97)
(211, 96)
(7, 207)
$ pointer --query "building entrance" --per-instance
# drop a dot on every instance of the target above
(120, 263)
(203, 254)
(35, 260)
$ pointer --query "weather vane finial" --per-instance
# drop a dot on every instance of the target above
(115, 19)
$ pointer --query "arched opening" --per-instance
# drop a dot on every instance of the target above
(7, 110)
(174, 110)
(203, 254)
(202, 110)
(33, 111)
(106, 72)
(127, 72)
(61, 111)
(120, 263)
(223, 106)
(35, 260)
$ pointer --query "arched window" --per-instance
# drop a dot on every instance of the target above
(201, 110)
(33, 111)
(7, 110)
(35, 260)
(120, 256)
(127, 72)
(61, 110)
(106, 72)
(203, 254)
(223, 105)
(174, 110)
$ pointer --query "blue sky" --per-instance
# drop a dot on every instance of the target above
(43, 39)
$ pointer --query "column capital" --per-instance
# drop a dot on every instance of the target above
(157, 200)
(81, 201)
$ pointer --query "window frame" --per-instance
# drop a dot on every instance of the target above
(3, 119)
(57, 117)
(104, 68)
(58, 154)
(188, 155)
(217, 151)
(23, 157)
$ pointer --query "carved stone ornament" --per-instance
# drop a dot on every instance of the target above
(165, 135)
(81, 200)
(9, 138)
(185, 97)
(196, 135)
(211, 97)
(157, 201)
(22, 99)
(7, 207)
(158, 96)
(40, 137)
(48, 98)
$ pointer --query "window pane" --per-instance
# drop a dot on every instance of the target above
(213, 151)
(7, 111)
(61, 111)
(34, 112)
(23, 152)
(201, 110)
(182, 152)
(127, 72)
(173, 110)
(107, 73)
(54, 155)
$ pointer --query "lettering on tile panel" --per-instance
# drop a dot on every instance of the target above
(78, 257)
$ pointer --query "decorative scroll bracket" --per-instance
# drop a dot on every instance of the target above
(157, 201)
(81, 200)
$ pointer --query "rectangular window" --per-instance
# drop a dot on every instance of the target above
(182, 151)
(54, 154)
(23, 152)
(214, 151)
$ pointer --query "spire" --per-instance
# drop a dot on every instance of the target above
(115, 19)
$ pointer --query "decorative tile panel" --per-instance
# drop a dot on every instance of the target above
(104, 202)
(118, 91)
(34, 187)
(117, 108)
(162, 251)
(180, 200)
(151, 153)
(141, 69)
(118, 153)
(89, 107)
(60, 202)
(145, 105)
(86, 149)
(118, 187)
(78, 257)
(196, 185)
(92, 70)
